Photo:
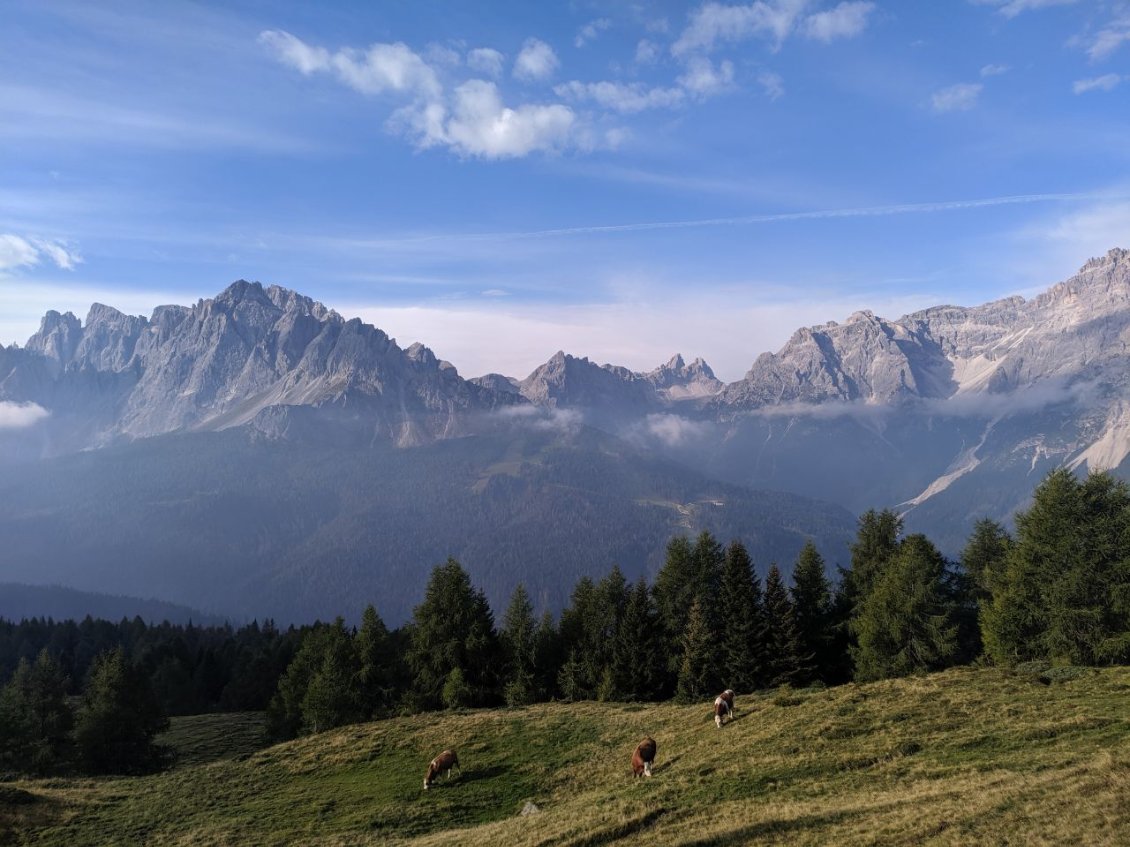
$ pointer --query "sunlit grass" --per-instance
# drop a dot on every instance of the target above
(968, 756)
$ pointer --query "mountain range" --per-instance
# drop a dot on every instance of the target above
(283, 439)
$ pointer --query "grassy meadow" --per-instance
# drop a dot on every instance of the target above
(965, 756)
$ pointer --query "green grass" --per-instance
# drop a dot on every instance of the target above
(968, 756)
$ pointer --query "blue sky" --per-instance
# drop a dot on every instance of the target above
(621, 180)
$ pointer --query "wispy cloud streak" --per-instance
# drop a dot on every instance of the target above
(778, 217)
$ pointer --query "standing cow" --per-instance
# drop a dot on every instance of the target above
(643, 757)
(440, 765)
(723, 707)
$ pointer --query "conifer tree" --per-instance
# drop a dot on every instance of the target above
(698, 667)
(548, 658)
(782, 650)
(983, 557)
(637, 668)
(453, 628)
(580, 673)
(284, 713)
(519, 641)
(333, 697)
(743, 627)
(905, 624)
(118, 719)
(378, 672)
(812, 611)
(35, 719)
(1015, 624)
(676, 586)
(876, 542)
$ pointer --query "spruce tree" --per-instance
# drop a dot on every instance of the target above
(548, 658)
(333, 696)
(378, 672)
(782, 648)
(1015, 624)
(35, 719)
(453, 628)
(742, 620)
(698, 666)
(905, 624)
(676, 587)
(118, 719)
(983, 557)
(812, 611)
(580, 673)
(637, 668)
(876, 542)
(519, 641)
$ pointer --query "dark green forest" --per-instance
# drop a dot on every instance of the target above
(1056, 592)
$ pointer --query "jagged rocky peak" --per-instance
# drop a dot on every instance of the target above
(568, 381)
(676, 380)
(58, 337)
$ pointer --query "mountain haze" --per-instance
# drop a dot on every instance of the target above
(295, 456)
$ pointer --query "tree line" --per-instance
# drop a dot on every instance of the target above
(1058, 591)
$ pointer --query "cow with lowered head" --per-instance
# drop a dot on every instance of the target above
(440, 765)
(723, 707)
(643, 757)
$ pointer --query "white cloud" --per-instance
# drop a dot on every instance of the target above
(479, 124)
(957, 98)
(703, 79)
(620, 96)
(772, 84)
(590, 31)
(20, 415)
(674, 430)
(536, 61)
(846, 20)
(495, 292)
(1106, 82)
(1012, 8)
(715, 22)
(1110, 38)
(295, 52)
(485, 61)
(994, 70)
(20, 252)
(383, 67)
(386, 67)
(646, 52)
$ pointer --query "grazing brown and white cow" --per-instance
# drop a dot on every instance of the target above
(723, 707)
(440, 765)
(643, 757)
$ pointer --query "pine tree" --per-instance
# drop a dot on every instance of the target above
(676, 586)
(1015, 625)
(378, 671)
(983, 558)
(782, 650)
(812, 611)
(698, 667)
(333, 696)
(742, 616)
(637, 672)
(35, 719)
(905, 624)
(118, 719)
(876, 542)
(454, 629)
(580, 673)
(548, 658)
(285, 718)
(519, 641)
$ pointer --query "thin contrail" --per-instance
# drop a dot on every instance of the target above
(853, 212)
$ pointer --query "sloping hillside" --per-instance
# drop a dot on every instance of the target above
(968, 756)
